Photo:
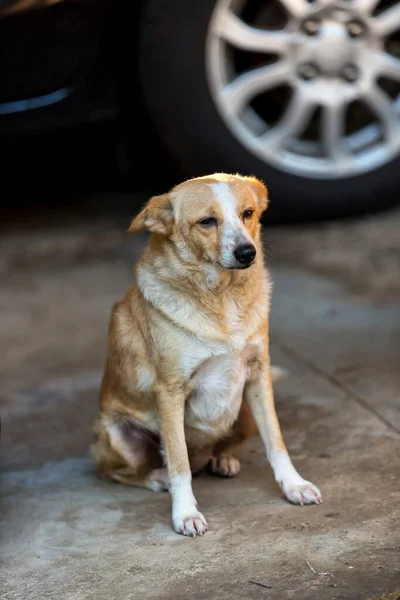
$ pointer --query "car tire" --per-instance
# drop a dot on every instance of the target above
(173, 77)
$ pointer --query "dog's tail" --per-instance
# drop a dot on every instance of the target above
(277, 373)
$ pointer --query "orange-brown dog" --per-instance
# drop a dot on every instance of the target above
(188, 373)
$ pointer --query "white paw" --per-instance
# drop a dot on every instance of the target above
(192, 525)
(302, 492)
(225, 465)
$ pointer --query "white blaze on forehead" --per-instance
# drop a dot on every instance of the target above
(234, 233)
(226, 200)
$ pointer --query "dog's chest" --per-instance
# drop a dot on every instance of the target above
(215, 402)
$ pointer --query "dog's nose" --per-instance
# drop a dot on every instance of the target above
(245, 254)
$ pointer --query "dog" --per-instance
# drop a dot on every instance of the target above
(187, 376)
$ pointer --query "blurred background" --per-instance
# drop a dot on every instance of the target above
(104, 103)
(140, 95)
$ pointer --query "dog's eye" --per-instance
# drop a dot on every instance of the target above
(208, 222)
(247, 213)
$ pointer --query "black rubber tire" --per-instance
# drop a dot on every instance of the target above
(172, 36)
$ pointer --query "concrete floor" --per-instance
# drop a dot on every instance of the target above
(335, 327)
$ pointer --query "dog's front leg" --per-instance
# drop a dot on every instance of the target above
(259, 395)
(185, 516)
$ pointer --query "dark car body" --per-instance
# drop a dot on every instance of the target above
(69, 95)
(60, 62)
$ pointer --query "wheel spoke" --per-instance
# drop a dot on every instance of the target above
(239, 34)
(388, 21)
(245, 87)
(333, 132)
(293, 122)
(380, 104)
(366, 6)
(297, 9)
(384, 65)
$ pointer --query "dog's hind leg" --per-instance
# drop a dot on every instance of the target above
(223, 462)
(127, 453)
(200, 459)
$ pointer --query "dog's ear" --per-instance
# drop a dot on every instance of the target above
(260, 191)
(157, 216)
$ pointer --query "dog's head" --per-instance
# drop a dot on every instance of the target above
(212, 219)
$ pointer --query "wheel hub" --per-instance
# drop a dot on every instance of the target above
(330, 50)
